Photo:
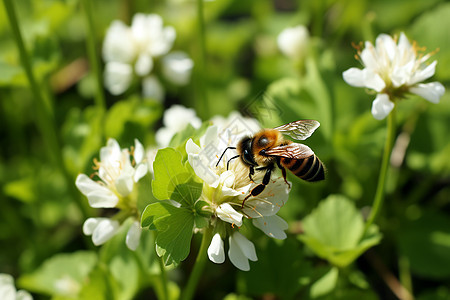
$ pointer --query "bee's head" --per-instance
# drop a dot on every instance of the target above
(245, 150)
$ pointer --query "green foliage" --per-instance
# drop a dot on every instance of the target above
(284, 271)
(335, 231)
(433, 230)
(173, 181)
(42, 212)
(51, 279)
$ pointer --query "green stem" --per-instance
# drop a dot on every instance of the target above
(44, 115)
(163, 278)
(201, 61)
(379, 194)
(92, 53)
(198, 267)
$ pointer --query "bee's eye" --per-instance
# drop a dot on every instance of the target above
(263, 141)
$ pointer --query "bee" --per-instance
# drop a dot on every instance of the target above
(268, 149)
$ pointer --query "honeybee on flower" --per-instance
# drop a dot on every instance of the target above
(226, 186)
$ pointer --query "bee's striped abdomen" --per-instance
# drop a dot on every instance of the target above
(309, 168)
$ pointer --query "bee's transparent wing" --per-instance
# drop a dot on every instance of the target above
(292, 150)
(299, 130)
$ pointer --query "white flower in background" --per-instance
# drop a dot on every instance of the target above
(393, 69)
(177, 67)
(118, 175)
(130, 51)
(175, 119)
(225, 189)
(294, 41)
(8, 290)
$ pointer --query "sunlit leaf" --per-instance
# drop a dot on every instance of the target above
(173, 181)
(175, 228)
(334, 231)
(53, 279)
(325, 284)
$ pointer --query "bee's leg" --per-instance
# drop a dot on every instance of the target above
(283, 171)
(251, 173)
(260, 187)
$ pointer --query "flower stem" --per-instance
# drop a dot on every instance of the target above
(201, 61)
(379, 194)
(44, 112)
(93, 57)
(198, 267)
(163, 278)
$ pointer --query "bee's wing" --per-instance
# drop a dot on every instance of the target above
(299, 130)
(292, 150)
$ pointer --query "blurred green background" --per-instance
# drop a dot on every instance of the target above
(41, 211)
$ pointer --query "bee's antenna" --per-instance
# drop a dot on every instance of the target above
(228, 162)
(224, 154)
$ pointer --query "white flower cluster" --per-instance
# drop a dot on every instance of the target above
(118, 175)
(130, 51)
(394, 69)
(224, 190)
(8, 290)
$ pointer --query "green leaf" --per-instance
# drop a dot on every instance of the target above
(334, 231)
(173, 180)
(189, 132)
(175, 228)
(325, 284)
(432, 230)
(282, 270)
(62, 274)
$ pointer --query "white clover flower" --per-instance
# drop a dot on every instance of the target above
(8, 290)
(175, 119)
(294, 41)
(118, 175)
(129, 51)
(224, 190)
(392, 70)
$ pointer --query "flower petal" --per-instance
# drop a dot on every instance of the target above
(118, 77)
(177, 67)
(216, 252)
(423, 74)
(105, 230)
(152, 88)
(138, 151)
(125, 182)
(381, 106)
(228, 214)
(432, 91)
(118, 45)
(269, 202)
(90, 224)
(293, 41)
(141, 171)
(133, 236)
(22, 295)
(8, 292)
(364, 78)
(97, 194)
(273, 226)
(241, 250)
(102, 199)
(143, 65)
